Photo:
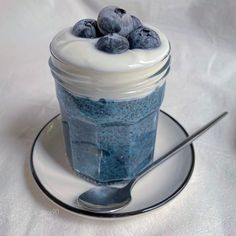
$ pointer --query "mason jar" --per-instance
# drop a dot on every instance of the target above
(109, 128)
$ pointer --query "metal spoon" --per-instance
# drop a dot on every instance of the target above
(109, 199)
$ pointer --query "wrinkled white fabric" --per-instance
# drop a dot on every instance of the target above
(202, 84)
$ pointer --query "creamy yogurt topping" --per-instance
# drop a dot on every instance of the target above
(86, 71)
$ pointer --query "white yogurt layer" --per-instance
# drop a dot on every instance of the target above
(86, 71)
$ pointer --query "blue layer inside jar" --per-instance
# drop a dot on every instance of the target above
(109, 141)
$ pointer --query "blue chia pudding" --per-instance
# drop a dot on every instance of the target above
(110, 83)
(109, 140)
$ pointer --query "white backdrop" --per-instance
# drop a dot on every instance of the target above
(202, 84)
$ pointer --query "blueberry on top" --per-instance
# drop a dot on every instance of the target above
(86, 28)
(144, 38)
(112, 19)
(113, 43)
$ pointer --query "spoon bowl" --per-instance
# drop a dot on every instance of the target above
(104, 198)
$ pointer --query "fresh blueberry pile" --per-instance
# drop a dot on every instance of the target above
(117, 31)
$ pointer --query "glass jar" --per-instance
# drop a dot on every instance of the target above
(109, 140)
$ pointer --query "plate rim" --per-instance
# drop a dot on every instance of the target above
(114, 214)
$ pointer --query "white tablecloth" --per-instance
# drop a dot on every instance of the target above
(202, 84)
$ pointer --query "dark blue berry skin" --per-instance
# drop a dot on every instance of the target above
(113, 43)
(143, 38)
(112, 19)
(136, 22)
(86, 28)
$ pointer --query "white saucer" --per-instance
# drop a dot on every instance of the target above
(54, 176)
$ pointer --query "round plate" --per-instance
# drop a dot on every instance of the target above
(53, 174)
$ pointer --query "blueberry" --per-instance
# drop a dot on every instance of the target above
(112, 19)
(136, 22)
(113, 43)
(144, 38)
(86, 28)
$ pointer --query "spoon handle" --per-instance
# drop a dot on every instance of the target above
(177, 148)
